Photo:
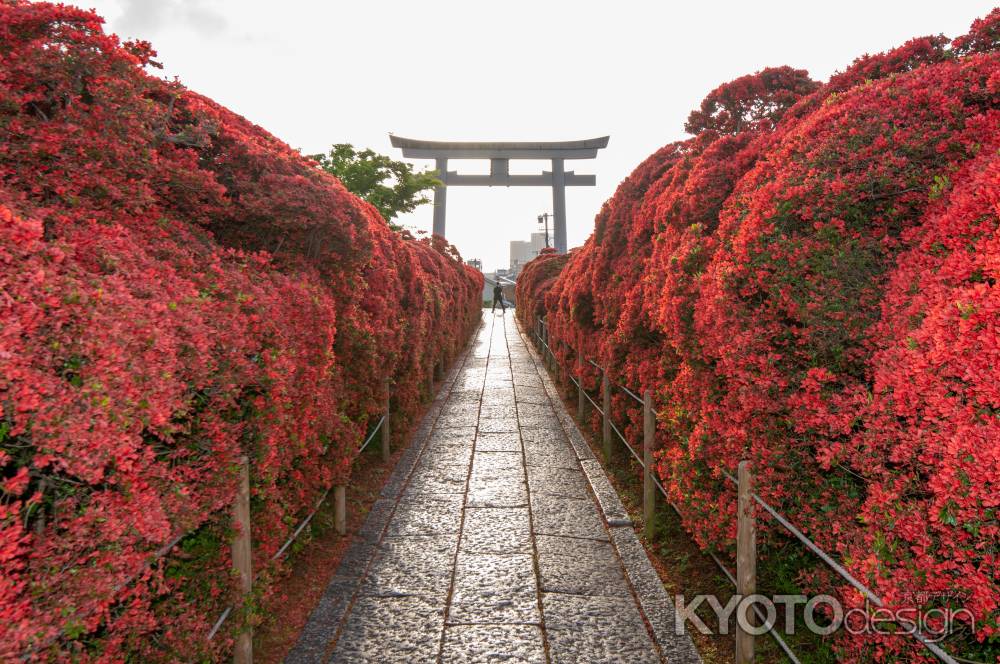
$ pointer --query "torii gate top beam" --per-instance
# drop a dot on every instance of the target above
(417, 149)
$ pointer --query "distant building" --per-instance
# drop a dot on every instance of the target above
(476, 263)
(522, 251)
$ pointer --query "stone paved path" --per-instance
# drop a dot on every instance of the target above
(497, 539)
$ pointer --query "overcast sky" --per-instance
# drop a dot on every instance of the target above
(318, 73)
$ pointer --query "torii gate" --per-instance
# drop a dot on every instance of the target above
(500, 155)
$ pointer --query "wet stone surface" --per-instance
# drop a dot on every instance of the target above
(567, 517)
(498, 442)
(497, 490)
(391, 629)
(488, 545)
(426, 515)
(566, 482)
(419, 565)
(549, 453)
(595, 629)
(488, 644)
(497, 530)
(579, 567)
(494, 588)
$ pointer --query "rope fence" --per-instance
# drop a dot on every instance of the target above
(241, 546)
(745, 579)
(243, 653)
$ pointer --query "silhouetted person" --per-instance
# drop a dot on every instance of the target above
(498, 298)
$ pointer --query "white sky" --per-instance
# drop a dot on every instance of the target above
(318, 73)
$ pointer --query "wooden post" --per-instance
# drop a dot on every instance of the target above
(340, 509)
(548, 349)
(746, 559)
(648, 437)
(242, 563)
(581, 396)
(386, 448)
(438, 370)
(545, 345)
(606, 397)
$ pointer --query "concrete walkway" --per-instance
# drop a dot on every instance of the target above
(497, 539)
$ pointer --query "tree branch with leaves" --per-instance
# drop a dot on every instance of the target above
(391, 186)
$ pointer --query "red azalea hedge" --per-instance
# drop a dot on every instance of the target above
(810, 283)
(534, 281)
(177, 288)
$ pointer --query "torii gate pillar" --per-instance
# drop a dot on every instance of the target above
(499, 155)
(440, 199)
(559, 205)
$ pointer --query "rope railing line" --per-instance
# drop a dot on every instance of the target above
(844, 574)
(371, 436)
(218, 623)
(759, 613)
(812, 546)
(588, 360)
(631, 393)
(826, 558)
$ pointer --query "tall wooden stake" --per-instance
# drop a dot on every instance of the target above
(581, 396)
(386, 434)
(606, 399)
(242, 563)
(746, 559)
(648, 438)
(340, 509)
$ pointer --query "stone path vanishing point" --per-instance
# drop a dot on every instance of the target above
(497, 539)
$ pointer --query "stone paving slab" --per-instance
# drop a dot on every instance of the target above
(497, 425)
(489, 644)
(565, 482)
(497, 490)
(448, 455)
(546, 457)
(579, 567)
(427, 514)
(494, 589)
(420, 565)
(595, 629)
(498, 442)
(432, 477)
(497, 538)
(378, 517)
(566, 517)
(486, 463)
(497, 530)
(414, 623)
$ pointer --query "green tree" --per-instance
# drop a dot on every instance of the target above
(390, 185)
